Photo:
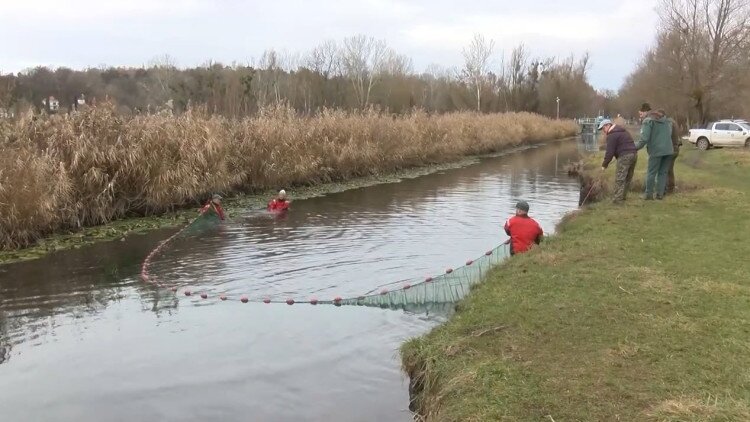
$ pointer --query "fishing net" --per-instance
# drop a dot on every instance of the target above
(199, 224)
(204, 223)
(447, 288)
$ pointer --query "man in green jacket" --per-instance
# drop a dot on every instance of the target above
(656, 136)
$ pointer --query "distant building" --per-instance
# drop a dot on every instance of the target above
(51, 104)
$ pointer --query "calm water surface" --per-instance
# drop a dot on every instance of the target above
(83, 339)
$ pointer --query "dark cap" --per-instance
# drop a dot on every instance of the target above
(645, 107)
(523, 206)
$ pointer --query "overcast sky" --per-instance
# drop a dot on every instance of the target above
(86, 33)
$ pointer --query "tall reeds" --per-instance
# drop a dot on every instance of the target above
(61, 172)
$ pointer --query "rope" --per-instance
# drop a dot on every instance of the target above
(595, 182)
(145, 276)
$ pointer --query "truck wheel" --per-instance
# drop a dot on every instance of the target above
(702, 144)
(747, 143)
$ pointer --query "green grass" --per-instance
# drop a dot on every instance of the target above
(632, 313)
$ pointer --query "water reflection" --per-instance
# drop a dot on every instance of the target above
(589, 142)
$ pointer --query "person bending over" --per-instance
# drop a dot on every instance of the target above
(213, 206)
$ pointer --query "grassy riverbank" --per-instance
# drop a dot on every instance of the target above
(63, 173)
(637, 312)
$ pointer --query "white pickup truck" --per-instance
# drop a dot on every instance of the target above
(725, 133)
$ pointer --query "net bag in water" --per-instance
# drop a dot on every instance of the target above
(450, 287)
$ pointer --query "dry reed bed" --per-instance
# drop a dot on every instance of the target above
(63, 172)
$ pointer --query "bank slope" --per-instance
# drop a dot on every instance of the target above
(639, 312)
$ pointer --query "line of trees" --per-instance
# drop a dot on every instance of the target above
(698, 68)
(356, 73)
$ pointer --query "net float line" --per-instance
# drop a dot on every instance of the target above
(449, 287)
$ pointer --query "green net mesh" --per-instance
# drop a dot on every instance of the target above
(447, 288)
(203, 223)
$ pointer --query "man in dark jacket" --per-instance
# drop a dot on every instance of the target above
(620, 145)
(656, 136)
(676, 144)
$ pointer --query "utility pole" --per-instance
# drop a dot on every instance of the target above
(558, 108)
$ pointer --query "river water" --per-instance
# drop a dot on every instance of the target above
(83, 339)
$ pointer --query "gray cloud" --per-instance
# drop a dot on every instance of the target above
(130, 32)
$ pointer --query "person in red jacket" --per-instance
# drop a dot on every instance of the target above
(280, 203)
(523, 230)
(213, 206)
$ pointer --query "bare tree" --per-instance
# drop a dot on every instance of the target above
(708, 38)
(324, 60)
(164, 71)
(437, 79)
(395, 64)
(362, 60)
(513, 81)
(476, 64)
(274, 67)
(354, 73)
(566, 80)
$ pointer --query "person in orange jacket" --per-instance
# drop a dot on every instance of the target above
(213, 206)
(280, 203)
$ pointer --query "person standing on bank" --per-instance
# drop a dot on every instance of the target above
(676, 144)
(523, 230)
(656, 136)
(620, 145)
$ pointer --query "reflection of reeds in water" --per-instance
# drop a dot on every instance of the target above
(95, 166)
(574, 168)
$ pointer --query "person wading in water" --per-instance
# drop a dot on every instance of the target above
(523, 230)
(280, 203)
(213, 206)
